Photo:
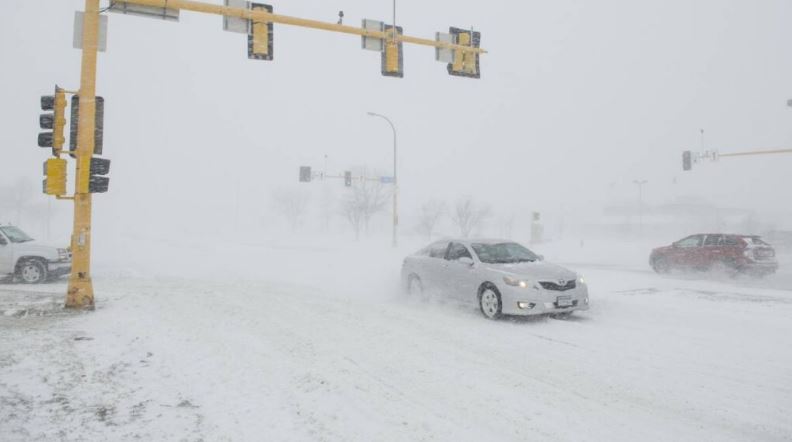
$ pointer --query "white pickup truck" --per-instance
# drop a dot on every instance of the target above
(25, 259)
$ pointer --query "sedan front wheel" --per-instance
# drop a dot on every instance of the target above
(490, 303)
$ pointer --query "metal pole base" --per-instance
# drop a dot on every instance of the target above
(80, 295)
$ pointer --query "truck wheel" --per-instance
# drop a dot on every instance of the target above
(32, 271)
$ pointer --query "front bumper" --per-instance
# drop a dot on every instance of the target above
(56, 269)
(530, 301)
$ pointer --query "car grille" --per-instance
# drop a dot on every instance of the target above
(555, 286)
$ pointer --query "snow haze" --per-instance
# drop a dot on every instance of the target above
(236, 303)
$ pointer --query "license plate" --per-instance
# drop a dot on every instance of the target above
(564, 301)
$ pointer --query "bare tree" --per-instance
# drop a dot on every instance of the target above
(292, 204)
(469, 216)
(17, 198)
(364, 200)
(431, 212)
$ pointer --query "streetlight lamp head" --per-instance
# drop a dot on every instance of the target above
(371, 114)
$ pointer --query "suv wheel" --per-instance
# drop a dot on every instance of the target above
(661, 265)
(32, 272)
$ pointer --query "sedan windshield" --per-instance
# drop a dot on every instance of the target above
(504, 253)
(15, 235)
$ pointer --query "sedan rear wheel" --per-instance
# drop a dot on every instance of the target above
(415, 286)
(490, 303)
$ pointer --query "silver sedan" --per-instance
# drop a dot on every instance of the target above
(502, 277)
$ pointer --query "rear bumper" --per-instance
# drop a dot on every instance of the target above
(760, 267)
(529, 301)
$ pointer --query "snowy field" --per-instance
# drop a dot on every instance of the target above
(277, 341)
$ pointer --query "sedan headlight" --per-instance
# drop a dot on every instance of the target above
(514, 282)
(582, 280)
(63, 255)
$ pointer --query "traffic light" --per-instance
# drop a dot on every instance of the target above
(55, 176)
(348, 179)
(260, 36)
(55, 121)
(305, 174)
(393, 55)
(465, 64)
(98, 183)
(98, 129)
(687, 160)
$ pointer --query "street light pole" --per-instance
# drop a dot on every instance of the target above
(640, 184)
(395, 179)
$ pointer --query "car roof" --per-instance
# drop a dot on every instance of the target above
(468, 241)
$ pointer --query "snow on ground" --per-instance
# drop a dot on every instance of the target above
(284, 341)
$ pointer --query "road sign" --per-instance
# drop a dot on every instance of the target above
(236, 24)
(122, 7)
(77, 38)
(373, 43)
(387, 180)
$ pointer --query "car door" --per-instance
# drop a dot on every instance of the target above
(711, 252)
(684, 252)
(432, 267)
(6, 256)
(459, 276)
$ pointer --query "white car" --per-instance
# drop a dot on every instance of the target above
(29, 261)
(502, 277)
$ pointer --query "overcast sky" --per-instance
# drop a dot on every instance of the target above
(577, 99)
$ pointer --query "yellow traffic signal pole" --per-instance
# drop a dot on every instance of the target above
(80, 294)
(757, 152)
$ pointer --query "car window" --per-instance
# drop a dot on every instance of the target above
(15, 235)
(730, 241)
(438, 249)
(690, 241)
(755, 240)
(713, 240)
(504, 253)
(457, 251)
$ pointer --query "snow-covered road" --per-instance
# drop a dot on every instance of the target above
(168, 358)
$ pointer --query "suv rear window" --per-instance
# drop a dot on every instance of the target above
(755, 241)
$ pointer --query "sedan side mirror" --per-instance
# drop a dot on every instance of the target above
(3, 242)
(466, 260)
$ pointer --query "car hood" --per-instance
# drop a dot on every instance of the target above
(38, 248)
(537, 271)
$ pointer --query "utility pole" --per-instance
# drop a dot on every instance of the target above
(640, 184)
(395, 241)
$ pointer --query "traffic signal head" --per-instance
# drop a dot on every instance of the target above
(687, 160)
(260, 35)
(305, 174)
(465, 64)
(98, 125)
(54, 121)
(55, 176)
(348, 179)
(98, 183)
(393, 54)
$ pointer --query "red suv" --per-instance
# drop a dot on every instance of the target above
(734, 253)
